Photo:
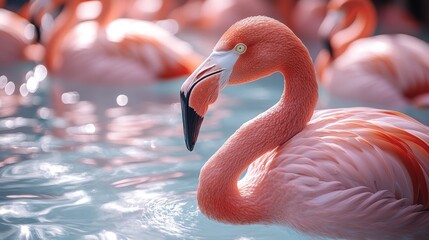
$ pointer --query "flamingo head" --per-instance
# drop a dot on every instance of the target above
(334, 21)
(37, 12)
(342, 14)
(247, 51)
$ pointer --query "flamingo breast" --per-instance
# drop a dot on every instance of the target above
(126, 52)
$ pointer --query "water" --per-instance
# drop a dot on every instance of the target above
(100, 162)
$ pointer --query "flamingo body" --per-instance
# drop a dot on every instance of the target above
(16, 33)
(116, 51)
(347, 171)
(384, 70)
(128, 51)
(355, 173)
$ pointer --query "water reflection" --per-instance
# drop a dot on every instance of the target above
(32, 213)
(18, 86)
(127, 116)
(156, 215)
(68, 157)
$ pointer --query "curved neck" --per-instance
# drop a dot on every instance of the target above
(219, 196)
(360, 22)
(67, 20)
(110, 10)
(62, 25)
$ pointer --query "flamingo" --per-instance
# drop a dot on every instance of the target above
(384, 70)
(18, 39)
(114, 51)
(358, 173)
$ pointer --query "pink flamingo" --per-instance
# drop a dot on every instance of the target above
(384, 70)
(357, 173)
(17, 37)
(115, 51)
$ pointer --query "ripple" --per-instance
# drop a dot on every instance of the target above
(26, 209)
(26, 231)
(104, 235)
(41, 172)
(138, 181)
(168, 214)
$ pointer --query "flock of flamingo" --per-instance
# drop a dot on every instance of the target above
(353, 173)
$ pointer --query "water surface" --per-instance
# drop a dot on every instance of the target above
(103, 162)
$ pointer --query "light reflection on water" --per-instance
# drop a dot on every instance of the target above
(100, 162)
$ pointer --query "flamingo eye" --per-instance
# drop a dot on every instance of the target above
(240, 48)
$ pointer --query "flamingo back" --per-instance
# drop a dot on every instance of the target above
(348, 170)
(385, 70)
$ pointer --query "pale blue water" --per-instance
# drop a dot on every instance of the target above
(74, 164)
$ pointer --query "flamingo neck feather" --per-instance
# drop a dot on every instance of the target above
(110, 10)
(219, 195)
(62, 26)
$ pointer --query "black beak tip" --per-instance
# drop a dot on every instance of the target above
(328, 46)
(190, 146)
(191, 122)
(37, 31)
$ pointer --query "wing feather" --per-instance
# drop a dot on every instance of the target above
(348, 167)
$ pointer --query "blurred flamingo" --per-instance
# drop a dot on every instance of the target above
(359, 173)
(213, 17)
(384, 70)
(18, 38)
(217, 15)
(115, 51)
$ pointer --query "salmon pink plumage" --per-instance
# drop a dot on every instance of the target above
(18, 39)
(384, 70)
(114, 50)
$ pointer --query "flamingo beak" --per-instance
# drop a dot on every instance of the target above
(191, 119)
(191, 122)
(330, 25)
(209, 78)
(37, 31)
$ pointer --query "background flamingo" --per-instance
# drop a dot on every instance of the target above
(114, 51)
(213, 17)
(357, 173)
(384, 70)
(18, 39)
